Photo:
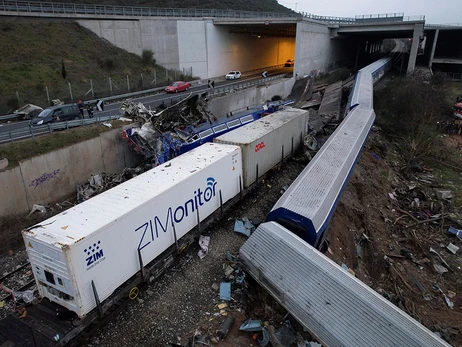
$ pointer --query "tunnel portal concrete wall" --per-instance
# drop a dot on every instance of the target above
(53, 176)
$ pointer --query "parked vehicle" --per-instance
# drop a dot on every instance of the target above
(56, 114)
(177, 86)
(289, 63)
(233, 75)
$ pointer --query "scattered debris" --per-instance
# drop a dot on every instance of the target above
(35, 207)
(244, 226)
(101, 182)
(456, 232)
(452, 248)
(285, 335)
(441, 258)
(440, 269)
(204, 242)
(225, 291)
(443, 195)
(225, 327)
(251, 325)
(448, 301)
(106, 124)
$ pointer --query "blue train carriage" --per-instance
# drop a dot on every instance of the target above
(308, 205)
(363, 88)
(208, 132)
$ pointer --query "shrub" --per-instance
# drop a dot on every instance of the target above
(147, 57)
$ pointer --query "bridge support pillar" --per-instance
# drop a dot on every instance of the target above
(432, 54)
(418, 34)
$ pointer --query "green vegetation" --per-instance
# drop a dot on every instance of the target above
(334, 76)
(409, 109)
(29, 148)
(39, 54)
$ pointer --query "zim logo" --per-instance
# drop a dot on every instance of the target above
(94, 254)
(259, 146)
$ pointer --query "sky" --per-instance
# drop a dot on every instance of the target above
(435, 11)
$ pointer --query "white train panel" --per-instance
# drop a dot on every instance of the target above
(265, 141)
(333, 305)
(306, 207)
(98, 240)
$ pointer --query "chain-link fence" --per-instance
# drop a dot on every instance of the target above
(88, 88)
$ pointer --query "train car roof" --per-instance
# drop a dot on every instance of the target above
(315, 191)
(70, 226)
(336, 307)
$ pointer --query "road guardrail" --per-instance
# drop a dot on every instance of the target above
(32, 131)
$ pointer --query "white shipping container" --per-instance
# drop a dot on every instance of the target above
(266, 140)
(98, 240)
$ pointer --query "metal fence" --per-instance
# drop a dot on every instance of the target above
(108, 10)
(88, 87)
(33, 131)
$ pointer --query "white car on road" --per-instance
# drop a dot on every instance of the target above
(233, 75)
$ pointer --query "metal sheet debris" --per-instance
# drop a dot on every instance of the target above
(251, 325)
(225, 291)
(443, 194)
(452, 248)
(285, 334)
(440, 269)
(244, 226)
(448, 301)
(101, 182)
(204, 242)
(456, 232)
(39, 208)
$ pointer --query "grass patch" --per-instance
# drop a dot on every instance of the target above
(29, 148)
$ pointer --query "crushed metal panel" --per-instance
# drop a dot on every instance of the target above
(336, 307)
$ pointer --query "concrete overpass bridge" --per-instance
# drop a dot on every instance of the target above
(208, 43)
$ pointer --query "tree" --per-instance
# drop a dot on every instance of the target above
(63, 69)
(147, 56)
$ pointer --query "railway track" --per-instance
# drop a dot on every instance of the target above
(16, 281)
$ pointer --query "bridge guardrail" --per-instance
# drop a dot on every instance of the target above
(87, 9)
(32, 131)
(108, 10)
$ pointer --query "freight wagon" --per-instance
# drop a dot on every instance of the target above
(81, 256)
(84, 254)
(267, 141)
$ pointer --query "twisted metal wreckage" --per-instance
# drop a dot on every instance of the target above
(168, 132)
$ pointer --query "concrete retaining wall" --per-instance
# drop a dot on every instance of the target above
(54, 176)
(250, 97)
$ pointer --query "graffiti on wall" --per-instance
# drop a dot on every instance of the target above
(45, 177)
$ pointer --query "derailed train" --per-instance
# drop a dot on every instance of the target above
(337, 308)
(81, 256)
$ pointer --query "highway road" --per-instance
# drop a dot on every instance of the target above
(153, 101)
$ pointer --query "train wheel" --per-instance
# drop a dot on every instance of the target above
(133, 293)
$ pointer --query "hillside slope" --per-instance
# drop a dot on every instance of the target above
(35, 52)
